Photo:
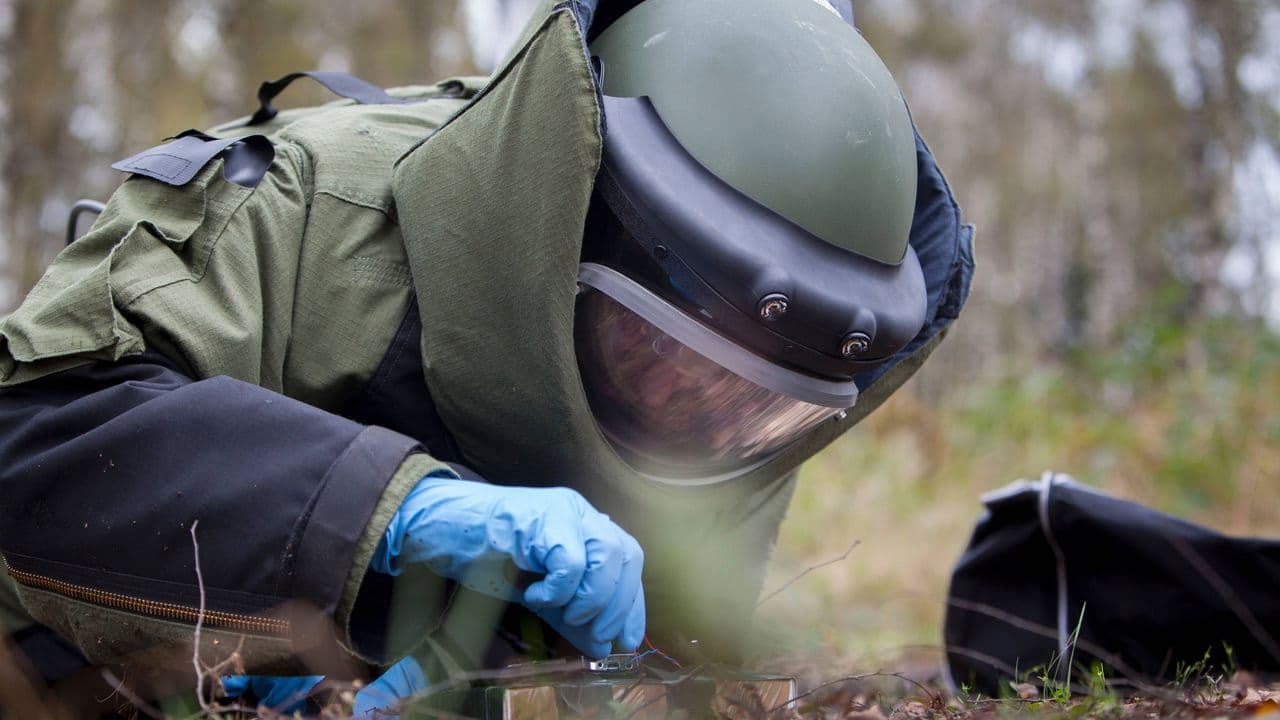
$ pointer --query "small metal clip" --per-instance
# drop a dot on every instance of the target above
(616, 663)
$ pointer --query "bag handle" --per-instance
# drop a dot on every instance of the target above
(342, 84)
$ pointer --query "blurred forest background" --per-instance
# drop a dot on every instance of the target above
(1120, 158)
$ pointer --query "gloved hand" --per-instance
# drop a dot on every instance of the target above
(286, 695)
(402, 680)
(282, 694)
(590, 589)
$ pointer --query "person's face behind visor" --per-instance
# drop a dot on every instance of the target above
(671, 411)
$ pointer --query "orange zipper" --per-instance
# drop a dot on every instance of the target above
(152, 608)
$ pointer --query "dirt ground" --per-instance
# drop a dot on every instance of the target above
(896, 696)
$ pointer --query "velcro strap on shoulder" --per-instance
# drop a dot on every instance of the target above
(177, 162)
(342, 84)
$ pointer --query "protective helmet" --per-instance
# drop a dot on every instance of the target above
(746, 252)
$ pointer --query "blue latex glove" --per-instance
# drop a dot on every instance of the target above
(590, 589)
(402, 680)
(286, 695)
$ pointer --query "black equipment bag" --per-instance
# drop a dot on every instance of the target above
(1059, 574)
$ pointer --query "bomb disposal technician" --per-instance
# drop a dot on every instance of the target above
(583, 319)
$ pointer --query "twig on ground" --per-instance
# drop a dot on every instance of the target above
(230, 665)
(693, 673)
(722, 704)
(461, 679)
(1237, 607)
(808, 570)
(195, 650)
(464, 679)
(1098, 651)
(118, 686)
(420, 712)
(933, 697)
(982, 657)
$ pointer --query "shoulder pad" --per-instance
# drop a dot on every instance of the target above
(245, 159)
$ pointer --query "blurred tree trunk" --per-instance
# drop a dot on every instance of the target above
(1097, 147)
(156, 100)
(1216, 138)
(387, 43)
(91, 81)
(38, 153)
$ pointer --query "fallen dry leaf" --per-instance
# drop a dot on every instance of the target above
(1027, 691)
(870, 713)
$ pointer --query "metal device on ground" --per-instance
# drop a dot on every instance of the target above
(617, 686)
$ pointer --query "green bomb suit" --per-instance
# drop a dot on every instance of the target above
(282, 363)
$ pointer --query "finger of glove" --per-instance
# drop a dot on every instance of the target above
(289, 694)
(402, 680)
(282, 694)
(600, 582)
(614, 563)
(564, 562)
(235, 685)
(579, 635)
(633, 630)
(609, 624)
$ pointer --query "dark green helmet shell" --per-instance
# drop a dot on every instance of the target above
(782, 100)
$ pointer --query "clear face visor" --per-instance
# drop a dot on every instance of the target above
(678, 400)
